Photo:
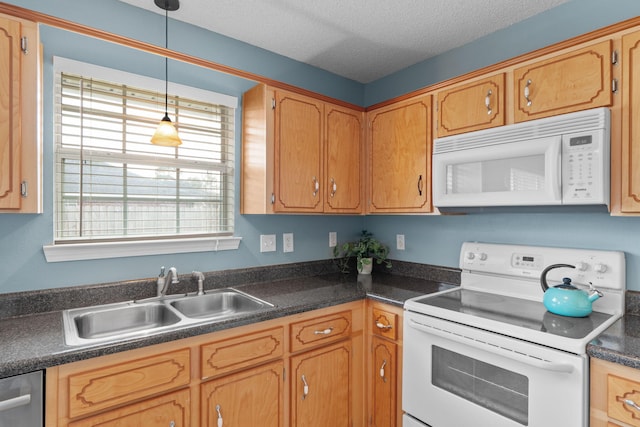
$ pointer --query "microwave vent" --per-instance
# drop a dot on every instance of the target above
(571, 123)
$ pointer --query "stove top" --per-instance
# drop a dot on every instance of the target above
(499, 294)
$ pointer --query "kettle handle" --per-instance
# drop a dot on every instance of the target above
(543, 276)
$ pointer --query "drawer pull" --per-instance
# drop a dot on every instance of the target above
(382, 326)
(172, 423)
(316, 186)
(384, 363)
(219, 416)
(334, 187)
(631, 403)
(324, 332)
(305, 389)
(487, 102)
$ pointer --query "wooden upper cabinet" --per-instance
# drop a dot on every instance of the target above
(473, 106)
(399, 138)
(344, 160)
(20, 151)
(630, 168)
(300, 154)
(573, 81)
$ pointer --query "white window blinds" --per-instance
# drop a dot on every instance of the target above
(111, 183)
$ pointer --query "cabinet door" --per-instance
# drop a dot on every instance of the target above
(573, 81)
(298, 153)
(250, 398)
(383, 383)
(470, 107)
(344, 160)
(630, 124)
(10, 114)
(164, 411)
(400, 157)
(321, 387)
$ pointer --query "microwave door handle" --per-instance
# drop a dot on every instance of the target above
(553, 162)
(537, 363)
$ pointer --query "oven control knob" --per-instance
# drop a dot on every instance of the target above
(482, 256)
(470, 255)
(600, 268)
(581, 266)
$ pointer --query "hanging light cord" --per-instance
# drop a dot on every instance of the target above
(166, 60)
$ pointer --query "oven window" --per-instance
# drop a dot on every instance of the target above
(494, 388)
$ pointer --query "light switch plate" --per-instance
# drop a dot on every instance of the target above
(333, 239)
(267, 243)
(400, 242)
(287, 242)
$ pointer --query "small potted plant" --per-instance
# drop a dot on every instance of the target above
(366, 250)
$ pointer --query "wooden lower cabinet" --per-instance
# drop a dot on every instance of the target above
(384, 365)
(321, 387)
(254, 397)
(245, 376)
(614, 392)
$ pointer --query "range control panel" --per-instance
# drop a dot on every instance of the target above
(604, 269)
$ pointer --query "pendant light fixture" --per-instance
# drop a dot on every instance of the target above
(166, 133)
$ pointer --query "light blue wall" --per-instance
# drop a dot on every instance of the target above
(430, 239)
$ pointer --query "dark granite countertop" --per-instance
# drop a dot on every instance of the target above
(36, 341)
(620, 343)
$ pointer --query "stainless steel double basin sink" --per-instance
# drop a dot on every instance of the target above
(132, 319)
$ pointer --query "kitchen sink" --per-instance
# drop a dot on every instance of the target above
(222, 303)
(132, 319)
(122, 320)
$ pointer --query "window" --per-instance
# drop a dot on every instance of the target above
(113, 185)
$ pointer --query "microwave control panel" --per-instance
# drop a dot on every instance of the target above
(585, 164)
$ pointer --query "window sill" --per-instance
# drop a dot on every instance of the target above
(85, 251)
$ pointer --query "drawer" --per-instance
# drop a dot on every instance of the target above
(109, 386)
(170, 409)
(220, 357)
(620, 389)
(384, 323)
(320, 330)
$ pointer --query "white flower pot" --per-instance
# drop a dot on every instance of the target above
(367, 265)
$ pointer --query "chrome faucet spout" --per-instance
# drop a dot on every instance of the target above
(164, 281)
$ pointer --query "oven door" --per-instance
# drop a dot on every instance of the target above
(455, 375)
(511, 174)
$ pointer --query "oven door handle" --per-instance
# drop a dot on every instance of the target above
(538, 363)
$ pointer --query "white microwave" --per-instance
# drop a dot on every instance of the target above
(560, 160)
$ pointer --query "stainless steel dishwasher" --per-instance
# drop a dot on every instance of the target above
(21, 400)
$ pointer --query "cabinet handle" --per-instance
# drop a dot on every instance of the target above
(324, 331)
(305, 389)
(219, 416)
(334, 187)
(172, 423)
(316, 186)
(527, 92)
(384, 363)
(380, 325)
(487, 102)
(631, 403)
(420, 185)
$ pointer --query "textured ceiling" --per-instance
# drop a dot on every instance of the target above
(363, 40)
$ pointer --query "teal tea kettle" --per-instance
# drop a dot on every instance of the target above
(565, 299)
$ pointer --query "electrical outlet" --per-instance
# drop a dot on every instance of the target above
(287, 242)
(267, 243)
(333, 239)
(400, 242)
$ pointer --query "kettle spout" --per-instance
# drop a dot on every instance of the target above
(595, 294)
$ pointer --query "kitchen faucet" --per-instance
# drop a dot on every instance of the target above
(165, 280)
